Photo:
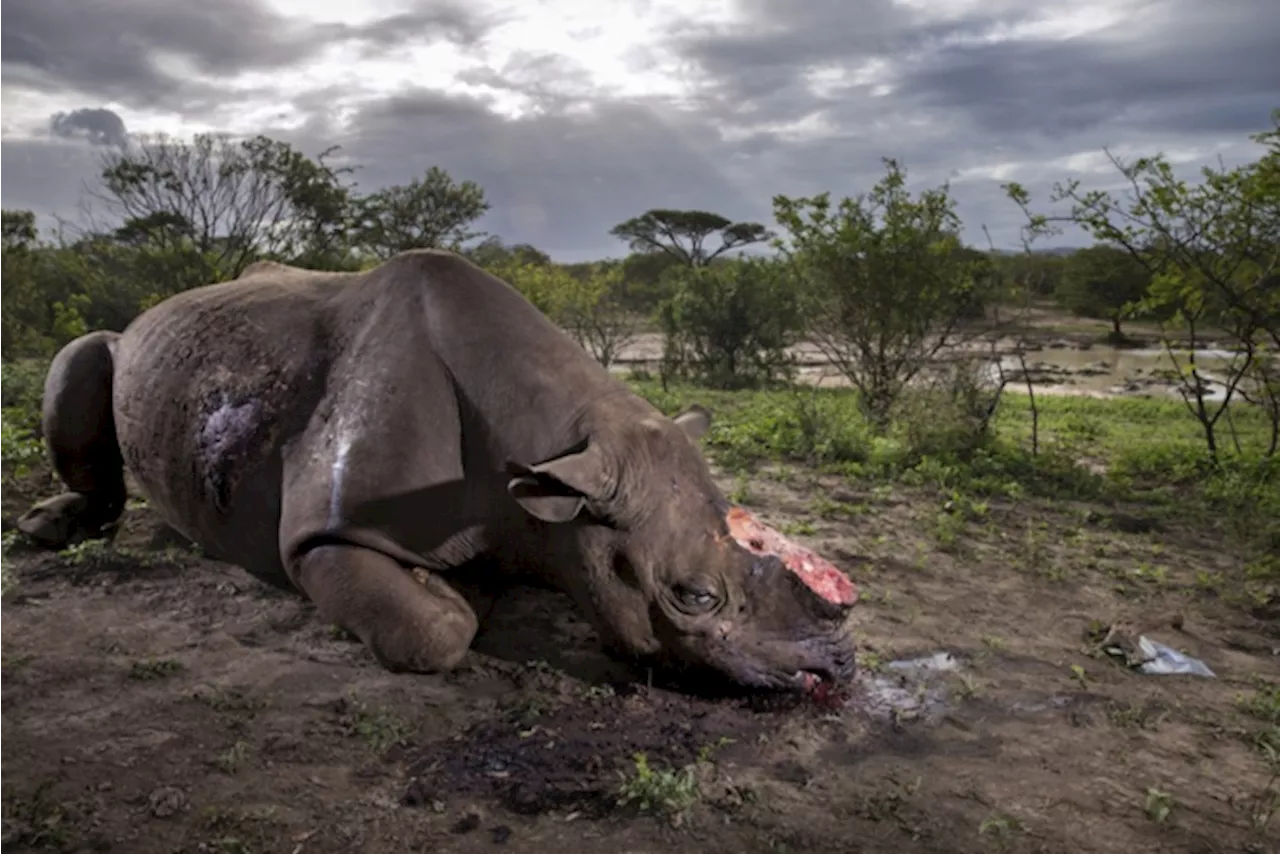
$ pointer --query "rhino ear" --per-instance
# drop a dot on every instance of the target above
(696, 421)
(557, 490)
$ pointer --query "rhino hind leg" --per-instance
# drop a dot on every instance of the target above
(80, 434)
(409, 626)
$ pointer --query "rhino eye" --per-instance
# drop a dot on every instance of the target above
(695, 598)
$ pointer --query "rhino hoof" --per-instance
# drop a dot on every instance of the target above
(55, 522)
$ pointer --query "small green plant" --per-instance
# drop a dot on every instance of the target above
(36, 821)
(1158, 805)
(153, 669)
(1264, 705)
(797, 529)
(1078, 674)
(969, 687)
(1000, 828)
(8, 578)
(658, 790)
(379, 728)
(947, 528)
(868, 661)
(741, 491)
(598, 692)
(228, 701)
(708, 750)
(1129, 716)
(338, 633)
(230, 760)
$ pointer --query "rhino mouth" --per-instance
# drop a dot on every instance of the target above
(808, 680)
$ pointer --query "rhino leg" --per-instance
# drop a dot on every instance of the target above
(80, 433)
(389, 428)
(408, 626)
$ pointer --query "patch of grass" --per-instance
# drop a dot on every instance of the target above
(1158, 805)
(379, 728)
(8, 578)
(1129, 716)
(888, 805)
(36, 820)
(869, 662)
(1147, 451)
(102, 554)
(229, 701)
(1000, 828)
(230, 760)
(338, 633)
(801, 529)
(232, 827)
(1264, 705)
(153, 669)
(658, 790)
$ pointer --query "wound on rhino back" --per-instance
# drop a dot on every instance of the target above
(229, 432)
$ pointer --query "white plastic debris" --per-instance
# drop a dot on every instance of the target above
(1161, 660)
(939, 662)
(909, 688)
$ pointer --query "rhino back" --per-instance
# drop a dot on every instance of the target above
(522, 381)
(209, 385)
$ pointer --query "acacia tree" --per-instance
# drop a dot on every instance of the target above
(1213, 252)
(1103, 281)
(228, 201)
(430, 212)
(883, 281)
(492, 252)
(683, 234)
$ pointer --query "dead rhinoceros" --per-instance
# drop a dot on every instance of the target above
(332, 431)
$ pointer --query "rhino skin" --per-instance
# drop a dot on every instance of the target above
(339, 433)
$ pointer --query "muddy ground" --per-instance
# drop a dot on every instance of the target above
(156, 701)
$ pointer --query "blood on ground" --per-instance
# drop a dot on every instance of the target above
(571, 758)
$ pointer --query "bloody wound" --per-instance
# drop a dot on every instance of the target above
(817, 573)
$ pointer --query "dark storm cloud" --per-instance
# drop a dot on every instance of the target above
(1194, 68)
(99, 126)
(1173, 73)
(761, 62)
(558, 181)
(110, 49)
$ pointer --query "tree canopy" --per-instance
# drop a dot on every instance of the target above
(683, 234)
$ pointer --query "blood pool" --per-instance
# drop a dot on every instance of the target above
(817, 573)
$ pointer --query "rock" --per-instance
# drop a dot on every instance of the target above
(166, 801)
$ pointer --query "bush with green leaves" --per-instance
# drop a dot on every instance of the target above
(729, 325)
(886, 282)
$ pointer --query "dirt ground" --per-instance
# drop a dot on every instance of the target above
(155, 701)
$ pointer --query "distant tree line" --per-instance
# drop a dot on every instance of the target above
(880, 282)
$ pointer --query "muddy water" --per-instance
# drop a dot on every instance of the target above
(1058, 368)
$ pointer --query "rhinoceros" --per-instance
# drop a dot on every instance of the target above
(357, 436)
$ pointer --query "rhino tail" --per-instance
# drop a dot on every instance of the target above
(78, 423)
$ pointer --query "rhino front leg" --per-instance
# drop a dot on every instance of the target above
(408, 626)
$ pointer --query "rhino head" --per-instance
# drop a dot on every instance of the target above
(649, 548)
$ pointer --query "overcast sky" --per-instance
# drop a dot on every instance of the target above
(574, 115)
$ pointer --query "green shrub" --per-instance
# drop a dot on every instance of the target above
(729, 325)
